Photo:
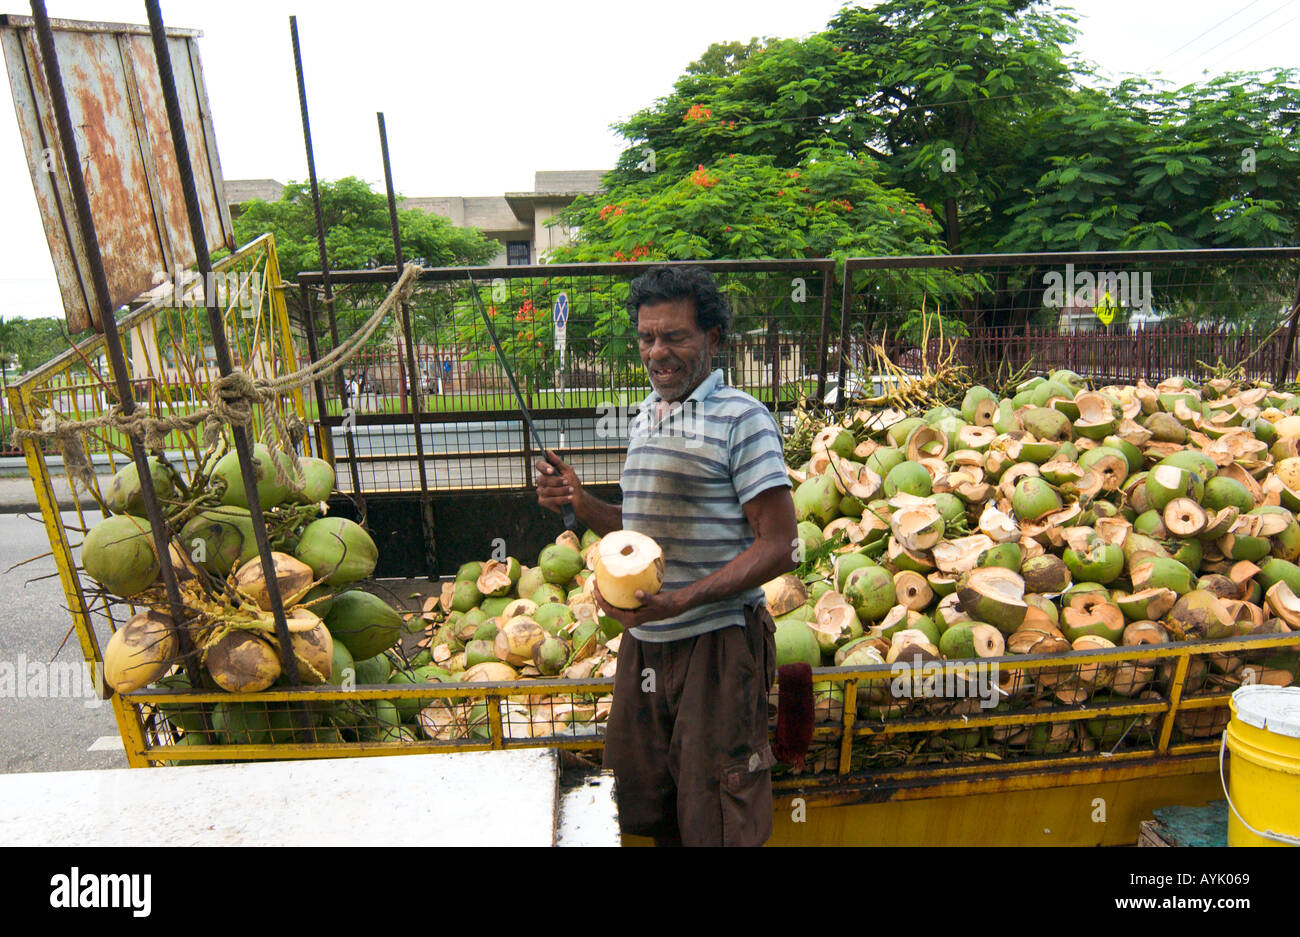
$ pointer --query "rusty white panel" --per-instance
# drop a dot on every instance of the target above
(128, 161)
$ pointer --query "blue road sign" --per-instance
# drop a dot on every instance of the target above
(561, 311)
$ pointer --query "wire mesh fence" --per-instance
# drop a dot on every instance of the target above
(910, 718)
(1109, 316)
(582, 391)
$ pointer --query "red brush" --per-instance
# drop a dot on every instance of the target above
(794, 714)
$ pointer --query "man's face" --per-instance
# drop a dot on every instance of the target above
(676, 354)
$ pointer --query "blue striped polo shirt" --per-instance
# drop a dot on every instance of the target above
(684, 482)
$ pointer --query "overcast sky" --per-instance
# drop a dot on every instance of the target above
(478, 96)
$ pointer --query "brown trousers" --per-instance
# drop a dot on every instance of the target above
(687, 737)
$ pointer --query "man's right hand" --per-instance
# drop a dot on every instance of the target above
(557, 483)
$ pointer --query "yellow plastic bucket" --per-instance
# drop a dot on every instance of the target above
(1264, 793)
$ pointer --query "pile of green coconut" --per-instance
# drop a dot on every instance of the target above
(337, 629)
(501, 621)
(1057, 518)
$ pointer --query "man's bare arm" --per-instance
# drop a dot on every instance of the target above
(558, 484)
(771, 517)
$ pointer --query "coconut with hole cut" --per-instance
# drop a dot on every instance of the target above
(629, 562)
(994, 595)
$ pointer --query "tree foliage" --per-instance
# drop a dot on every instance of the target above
(979, 111)
(358, 236)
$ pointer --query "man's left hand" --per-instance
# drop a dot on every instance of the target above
(657, 607)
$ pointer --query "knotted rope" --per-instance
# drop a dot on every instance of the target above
(233, 401)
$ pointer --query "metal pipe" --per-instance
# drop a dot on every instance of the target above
(841, 395)
(1289, 347)
(325, 441)
(358, 496)
(404, 310)
(828, 284)
(112, 340)
(242, 435)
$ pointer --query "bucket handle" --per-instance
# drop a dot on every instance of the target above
(1267, 834)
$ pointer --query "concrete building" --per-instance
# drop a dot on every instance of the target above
(515, 220)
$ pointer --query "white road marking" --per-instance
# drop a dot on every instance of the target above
(107, 743)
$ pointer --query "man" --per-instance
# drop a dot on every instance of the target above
(687, 738)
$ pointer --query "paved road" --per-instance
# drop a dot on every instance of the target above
(46, 733)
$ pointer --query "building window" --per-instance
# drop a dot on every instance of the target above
(517, 253)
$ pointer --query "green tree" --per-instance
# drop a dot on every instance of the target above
(358, 236)
(979, 111)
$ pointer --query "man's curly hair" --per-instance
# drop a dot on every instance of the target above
(666, 283)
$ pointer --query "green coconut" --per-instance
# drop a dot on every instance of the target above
(270, 491)
(817, 500)
(1097, 562)
(531, 579)
(980, 406)
(1045, 574)
(1034, 498)
(559, 563)
(373, 670)
(1158, 572)
(241, 723)
(118, 553)
(494, 605)
(546, 592)
(337, 550)
(469, 571)
(796, 643)
(1273, 571)
(870, 590)
(343, 666)
(550, 656)
(364, 622)
(1166, 482)
(910, 478)
(1222, 492)
(810, 536)
(125, 494)
(219, 539)
(317, 480)
(885, 458)
(553, 616)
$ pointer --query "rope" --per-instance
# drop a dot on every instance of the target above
(233, 401)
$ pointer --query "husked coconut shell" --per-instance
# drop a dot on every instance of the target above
(784, 594)
(139, 652)
(494, 580)
(517, 639)
(242, 662)
(293, 576)
(995, 595)
(629, 562)
(313, 646)
(912, 590)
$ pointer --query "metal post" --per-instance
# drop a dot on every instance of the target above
(1289, 348)
(243, 442)
(358, 497)
(845, 302)
(325, 441)
(426, 502)
(112, 340)
(828, 284)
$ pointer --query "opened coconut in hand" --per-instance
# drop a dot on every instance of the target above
(626, 563)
